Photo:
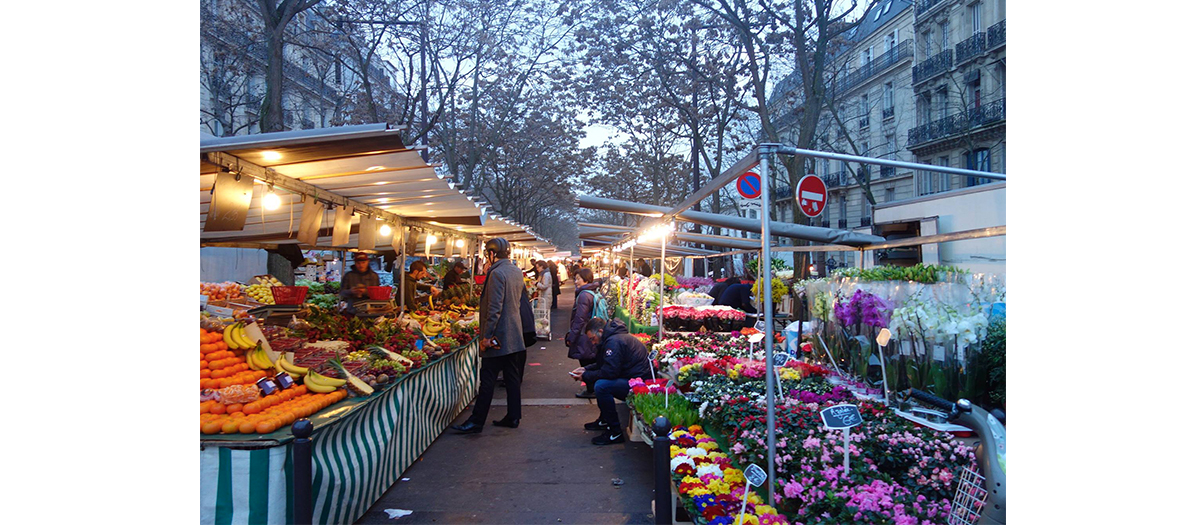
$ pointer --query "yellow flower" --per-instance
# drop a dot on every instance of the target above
(764, 509)
(789, 374)
(690, 479)
(696, 429)
(711, 445)
(733, 374)
(754, 499)
(676, 451)
(699, 492)
(750, 518)
(716, 455)
(719, 487)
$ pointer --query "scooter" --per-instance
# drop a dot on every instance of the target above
(980, 498)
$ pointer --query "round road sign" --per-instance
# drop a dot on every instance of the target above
(811, 195)
(749, 185)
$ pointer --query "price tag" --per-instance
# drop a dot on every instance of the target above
(939, 353)
(841, 416)
(755, 475)
(267, 386)
(653, 355)
(757, 338)
(284, 380)
(907, 348)
(780, 359)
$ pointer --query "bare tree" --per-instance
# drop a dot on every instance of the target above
(276, 15)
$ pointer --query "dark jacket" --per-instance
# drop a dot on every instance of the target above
(645, 269)
(580, 347)
(556, 283)
(410, 293)
(499, 309)
(738, 296)
(452, 278)
(623, 356)
(716, 291)
(352, 278)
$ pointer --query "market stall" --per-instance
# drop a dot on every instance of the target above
(378, 384)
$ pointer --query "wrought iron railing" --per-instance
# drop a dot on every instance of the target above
(855, 78)
(864, 121)
(888, 171)
(842, 223)
(826, 224)
(995, 35)
(834, 180)
(972, 47)
(866, 221)
(986, 114)
(921, 6)
(886, 113)
(934, 65)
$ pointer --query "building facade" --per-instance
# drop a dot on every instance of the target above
(323, 74)
(959, 85)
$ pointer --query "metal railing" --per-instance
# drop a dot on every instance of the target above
(877, 65)
(888, 171)
(921, 6)
(834, 180)
(782, 193)
(866, 221)
(983, 115)
(975, 45)
(886, 113)
(934, 65)
(842, 223)
(864, 121)
(995, 35)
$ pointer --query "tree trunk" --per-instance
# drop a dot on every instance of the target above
(272, 103)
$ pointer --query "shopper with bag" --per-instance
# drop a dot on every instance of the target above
(586, 298)
(544, 283)
(502, 338)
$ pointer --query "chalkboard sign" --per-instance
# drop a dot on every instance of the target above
(653, 355)
(755, 475)
(780, 359)
(841, 416)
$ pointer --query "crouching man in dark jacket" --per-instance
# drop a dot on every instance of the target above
(620, 357)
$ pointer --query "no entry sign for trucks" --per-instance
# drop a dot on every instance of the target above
(749, 185)
(812, 195)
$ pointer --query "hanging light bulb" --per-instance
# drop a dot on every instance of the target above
(431, 239)
(458, 243)
(385, 230)
(271, 201)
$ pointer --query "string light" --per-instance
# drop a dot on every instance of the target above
(271, 201)
(386, 230)
(458, 243)
(431, 239)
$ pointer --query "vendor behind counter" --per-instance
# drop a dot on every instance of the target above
(355, 283)
(411, 293)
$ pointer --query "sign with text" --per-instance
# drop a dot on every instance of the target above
(232, 195)
(841, 416)
(811, 194)
(780, 359)
(755, 475)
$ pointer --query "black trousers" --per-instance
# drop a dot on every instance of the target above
(513, 367)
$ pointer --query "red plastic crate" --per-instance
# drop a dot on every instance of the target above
(380, 293)
(289, 294)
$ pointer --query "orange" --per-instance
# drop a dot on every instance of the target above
(238, 414)
(230, 427)
(265, 427)
(217, 374)
(247, 427)
(205, 407)
(217, 408)
(251, 408)
(211, 427)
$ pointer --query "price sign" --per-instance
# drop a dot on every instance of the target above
(780, 359)
(653, 355)
(755, 475)
(841, 416)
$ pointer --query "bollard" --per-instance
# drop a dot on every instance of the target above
(662, 448)
(301, 451)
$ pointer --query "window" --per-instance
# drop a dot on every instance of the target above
(943, 102)
(980, 160)
(877, 14)
(866, 56)
(976, 18)
(864, 111)
(974, 92)
(946, 35)
(928, 40)
(890, 147)
(865, 211)
(887, 98)
(944, 178)
(843, 207)
(888, 4)
(890, 41)
(924, 108)
(339, 70)
(889, 195)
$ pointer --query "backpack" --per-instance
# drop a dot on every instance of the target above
(599, 309)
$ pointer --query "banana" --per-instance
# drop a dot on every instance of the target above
(250, 361)
(261, 359)
(323, 380)
(316, 387)
(226, 335)
(240, 337)
(290, 367)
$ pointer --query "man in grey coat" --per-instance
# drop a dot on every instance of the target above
(501, 340)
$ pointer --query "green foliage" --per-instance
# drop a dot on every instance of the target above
(651, 406)
(775, 265)
(325, 300)
(992, 356)
(313, 287)
(923, 273)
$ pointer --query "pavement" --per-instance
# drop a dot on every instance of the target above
(545, 471)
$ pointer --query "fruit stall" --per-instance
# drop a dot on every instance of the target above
(377, 389)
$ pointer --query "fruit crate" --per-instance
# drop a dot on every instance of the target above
(380, 293)
(289, 294)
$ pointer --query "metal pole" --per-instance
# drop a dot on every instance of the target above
(630, 270)
(401, 272)
(425, 118)
(663, 274)
(301, 471)
(661, 449)
(767, 308)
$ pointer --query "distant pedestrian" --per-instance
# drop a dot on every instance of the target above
(501, 340)
(544, 284)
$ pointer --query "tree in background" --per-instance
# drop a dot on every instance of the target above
(276, 15)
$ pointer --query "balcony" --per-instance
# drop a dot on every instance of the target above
(866, 221)
(886, 113)
(864, 121)
(859, 76)
(921, 6)
(826, 224)
(973, 46)
(834, 180)
(782, 193)
(888, 171)
(934, 65)
(984, 115)
(995, 35)
(842, 223)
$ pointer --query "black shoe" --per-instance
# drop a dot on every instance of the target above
(610, 437)
(510, 423)
(588, 394)
(598, 424)
(468, 428)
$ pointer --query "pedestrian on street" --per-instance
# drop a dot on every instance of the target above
(623, 356)
(544, 283)
(501, 340)
(579, 345)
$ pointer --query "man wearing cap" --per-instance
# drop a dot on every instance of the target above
(354, 286)
(413, 287)
(454, 276)
(501, 338)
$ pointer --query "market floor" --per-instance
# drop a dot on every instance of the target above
(545, 471)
